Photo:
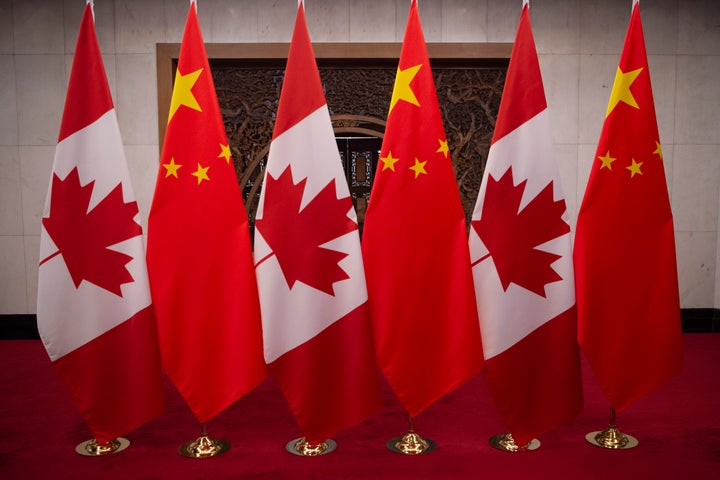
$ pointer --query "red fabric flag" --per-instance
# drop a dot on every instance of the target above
(199, 255)
(94, 309)
(313, 298)
(625, 267)
(521, 251)
(427, 336)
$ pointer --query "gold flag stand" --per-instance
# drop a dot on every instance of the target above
(91, 448)
(204, 446)
(506, 443)
(611, 437)
(303, 448)
(411, 443)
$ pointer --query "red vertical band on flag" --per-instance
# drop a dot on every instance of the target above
(301, 85)
(88, 94)
(523, 95)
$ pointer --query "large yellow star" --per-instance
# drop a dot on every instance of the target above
(607, 161)
(182, 94)
(389, 161)
(658, 149)
(418, 168)
(402, 90)
(621, 89)
(201, 173)
(225, 153)
(171, 168)
(635, 168)
(444, 149)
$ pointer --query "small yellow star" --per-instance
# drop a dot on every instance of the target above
(635, 168)
(402, 90)
(182, 94)
(171, 168)
(607, 161)
(225, 153)
(621, 89)
(389, 161)
(418, 168)
(658, 150)
(201, 174)
(444, 149)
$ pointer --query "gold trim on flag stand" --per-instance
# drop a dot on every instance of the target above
(611, 437)
(411, 443)
(506, 443)
(301, 447)
(90, 448)
(204, 446)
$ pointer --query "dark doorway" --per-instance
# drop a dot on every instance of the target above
(359, 157)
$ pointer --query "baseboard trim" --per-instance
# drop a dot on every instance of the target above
(19, 327)
(24, 326)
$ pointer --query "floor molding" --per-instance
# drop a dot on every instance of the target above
(24, 326)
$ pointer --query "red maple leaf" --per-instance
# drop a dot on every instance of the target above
(295, 236)
(83, 237)
(511, 236)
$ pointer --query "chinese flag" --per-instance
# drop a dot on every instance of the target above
(521, 250)
(313, 298)
(427, 336)
(625, 269)
(199, 256)
(94, 309)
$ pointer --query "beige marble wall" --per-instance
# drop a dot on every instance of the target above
(578, 42)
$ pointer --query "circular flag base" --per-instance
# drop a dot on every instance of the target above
(506, 443)
(302, 448)
(91, 448)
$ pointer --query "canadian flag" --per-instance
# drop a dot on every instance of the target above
(313, 299)
(521, 252)
(94, 308)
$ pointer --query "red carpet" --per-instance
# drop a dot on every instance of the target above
(678, 427)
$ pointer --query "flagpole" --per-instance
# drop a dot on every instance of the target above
(611, 437)
(411, 443)
(204, 446)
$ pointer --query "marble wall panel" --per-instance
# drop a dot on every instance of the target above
(465, 21)
(696, 252)
(603, 24)
(561, 81)
(276, 19)
(139, 25)
(373, 21)
(7, 40)
(8, 101)
(696, 187)
(556, 26)
(35, 170)
(10, 198)
(36, 28)
(136, 100)
(13, 294)
(698, 27)
(697, 99)
(233, 21)
(41, 88)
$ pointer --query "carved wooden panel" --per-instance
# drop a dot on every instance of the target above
(358, 99)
